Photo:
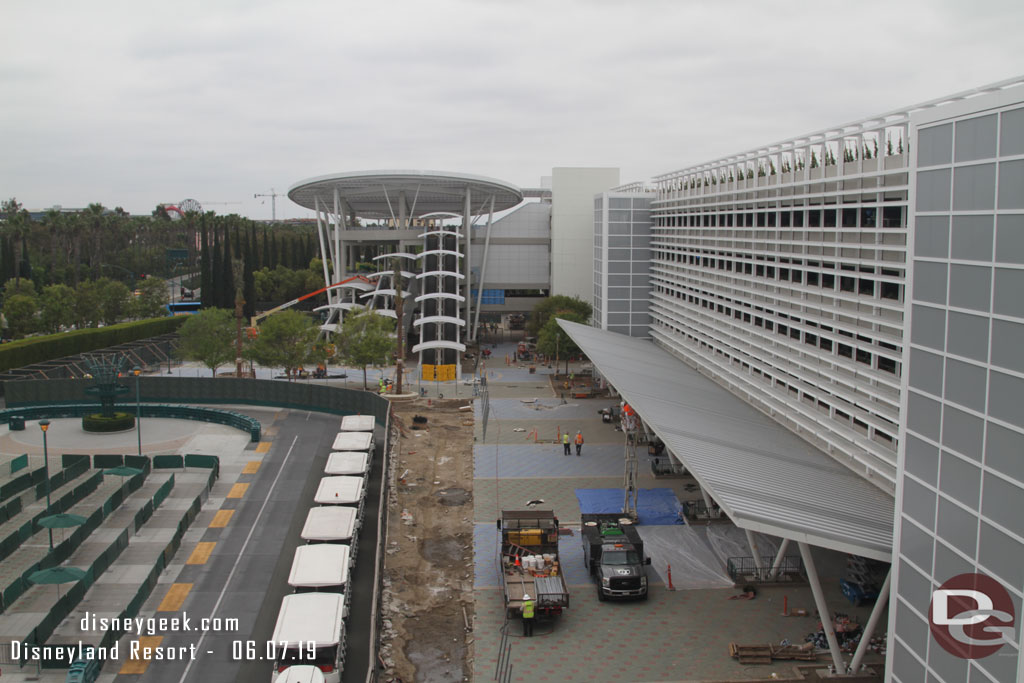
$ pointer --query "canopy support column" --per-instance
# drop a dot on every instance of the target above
(827, 624)
(339, 245)
(467, 223)
(755, 553)
(707, 500)
(474, 330)
(869, 629)
(779, 556)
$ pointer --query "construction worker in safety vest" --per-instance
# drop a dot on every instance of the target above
(565, 443)
(579, 442)
(527, 610)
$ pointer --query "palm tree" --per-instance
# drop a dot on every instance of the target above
(93, 223)
(19, 224)
(53, 220)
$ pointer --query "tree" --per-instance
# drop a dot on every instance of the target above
(208, 337)
(16, 286)
(87, 304)
(286, 340)
(366, 339)
(20, 313)
(18, 225)
(205, 288)
(554, 304)
(57, 307)
(152, 299)
(554, 342)
(248, 279)
(114, 298)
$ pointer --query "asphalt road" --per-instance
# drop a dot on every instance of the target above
(246, 575)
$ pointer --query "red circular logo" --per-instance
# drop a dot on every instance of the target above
(971, 616)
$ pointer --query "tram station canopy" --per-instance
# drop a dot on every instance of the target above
(376, 194)
(762, 475)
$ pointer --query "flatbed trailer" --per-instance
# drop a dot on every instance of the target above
(530, 563)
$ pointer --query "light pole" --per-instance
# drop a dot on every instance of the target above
(138, 407)
(44, 425)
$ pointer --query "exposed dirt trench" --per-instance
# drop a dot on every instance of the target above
(428, 590)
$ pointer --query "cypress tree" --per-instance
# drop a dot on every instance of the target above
(227, 278)
(256, 257)
(285, 258)
(216, 266)
(206, 287)
(249, 280)
(266, 249)
(274, 259)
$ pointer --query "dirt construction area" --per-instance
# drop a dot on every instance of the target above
(428, 585)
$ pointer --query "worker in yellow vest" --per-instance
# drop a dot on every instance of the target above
(527, 610)
(565, 443)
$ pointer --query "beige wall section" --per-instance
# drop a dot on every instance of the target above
(572, 227)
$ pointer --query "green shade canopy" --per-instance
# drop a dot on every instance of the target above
(63, 520)
(57, 575)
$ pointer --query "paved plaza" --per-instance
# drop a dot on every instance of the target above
(676, 635)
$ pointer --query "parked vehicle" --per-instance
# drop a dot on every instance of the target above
(530, 563)
(614, 554)
(357, 423)
(310, 631)
(320, 567)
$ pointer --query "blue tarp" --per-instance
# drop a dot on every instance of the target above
(653, 506)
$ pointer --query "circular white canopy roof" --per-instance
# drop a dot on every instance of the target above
(375, 194)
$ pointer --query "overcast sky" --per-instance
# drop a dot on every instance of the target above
(136, 103)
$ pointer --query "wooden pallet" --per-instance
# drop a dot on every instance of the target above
(793, 652)
(751, 654)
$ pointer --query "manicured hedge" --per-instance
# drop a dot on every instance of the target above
(118, 422)
(24, 352)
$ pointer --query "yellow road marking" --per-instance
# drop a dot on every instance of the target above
(237, 491)
(202, 553)
(139, 666)
(251, 467)
(175, 597)
(221, 519)
(263, 447)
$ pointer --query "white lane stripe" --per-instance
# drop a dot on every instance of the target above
(241, 553)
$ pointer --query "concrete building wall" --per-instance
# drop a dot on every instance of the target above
(518, 256)
(572, 227)
(622, 260)
(961, 477)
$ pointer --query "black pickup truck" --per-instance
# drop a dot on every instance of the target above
(614, 555)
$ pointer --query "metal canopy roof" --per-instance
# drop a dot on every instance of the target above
(375, 194)
(762, 475)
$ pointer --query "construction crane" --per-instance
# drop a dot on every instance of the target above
(273, 201)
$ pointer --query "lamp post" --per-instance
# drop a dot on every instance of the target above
(138, 407)
(45, 425)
